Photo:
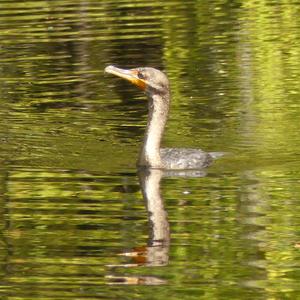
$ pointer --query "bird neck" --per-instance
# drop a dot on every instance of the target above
(158, 109)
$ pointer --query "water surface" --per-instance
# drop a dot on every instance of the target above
(77, 220)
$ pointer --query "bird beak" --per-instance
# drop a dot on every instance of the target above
(130, 75)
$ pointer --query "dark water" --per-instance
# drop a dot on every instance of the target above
(78, 222)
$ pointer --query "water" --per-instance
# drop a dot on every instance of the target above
(78, 221)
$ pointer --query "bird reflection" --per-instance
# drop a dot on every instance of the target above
(156, 252)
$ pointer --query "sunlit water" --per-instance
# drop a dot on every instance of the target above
(78, 221)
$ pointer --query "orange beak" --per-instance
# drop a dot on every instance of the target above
(130, 75)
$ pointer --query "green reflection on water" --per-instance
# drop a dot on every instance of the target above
(230, 234)
(71, 207)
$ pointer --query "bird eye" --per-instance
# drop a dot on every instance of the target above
(140, 75)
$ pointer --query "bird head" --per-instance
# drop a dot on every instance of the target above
(150, 80)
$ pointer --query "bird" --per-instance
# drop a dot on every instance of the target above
(156, 86)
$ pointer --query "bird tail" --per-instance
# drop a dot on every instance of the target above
(216, 155)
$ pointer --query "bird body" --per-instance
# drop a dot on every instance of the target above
(156, 85)
(184, 158)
